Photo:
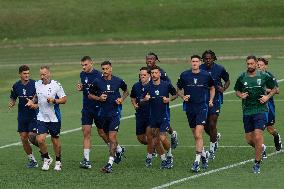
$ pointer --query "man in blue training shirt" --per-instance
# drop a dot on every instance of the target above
(262, 65)
(90, 110)
(196, 88)
(143, 130)
(106, 90)
(151, 59)
(25, 89)
(218, 74)
(157, 94)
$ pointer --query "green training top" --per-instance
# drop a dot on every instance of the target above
(255, 86)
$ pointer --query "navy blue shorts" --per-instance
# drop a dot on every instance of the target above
(255, 121)
(142, 122)
(215, 110)
(110, 123)
(163, 124)
(52, 128)
(270, 116)
(90, 117)
(197, 116)
(27, 125)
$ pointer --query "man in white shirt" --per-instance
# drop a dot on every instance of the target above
(49, 94)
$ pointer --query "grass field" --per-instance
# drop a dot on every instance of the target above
(131, 173)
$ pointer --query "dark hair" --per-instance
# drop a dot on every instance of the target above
(153, 54)
(23, 68)
(263, 60)
(155, 68)
(84, 58)
(106, 62)
(209, 52)
(251, 57)
(45, 67)
(195, 56)
(145, 68)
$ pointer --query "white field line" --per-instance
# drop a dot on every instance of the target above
(144, 42)
(236, 100)
(123, 118)
(211, 172)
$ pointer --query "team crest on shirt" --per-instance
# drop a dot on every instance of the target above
(258, 81)
(157, 92)
(24, 92)
(245, 83)
(108, 87)
(195, 80)
(86, 80)
(143, 89)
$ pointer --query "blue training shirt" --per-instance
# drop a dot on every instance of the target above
(218, 74)
(197, 86)
(158, 109)
(111, 88)
(21, 91)
(87, 80)
(137, 92)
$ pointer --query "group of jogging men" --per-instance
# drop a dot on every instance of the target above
(201, 87)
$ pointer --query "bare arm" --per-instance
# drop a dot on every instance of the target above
(135, 105)
(124, 95)
(212, 95)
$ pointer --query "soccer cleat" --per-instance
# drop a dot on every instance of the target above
(119, 155)
(170, 161)
(107, 168)
(277, 142)
(263, 155)
(148, 162)
(85, 164)
(58, 166)
(218, 140)
(46, 164)
(165, 165)
(174, 140)
(211, 155)
(204, 160)
(195, 167)
(32, 164)
(256, 168)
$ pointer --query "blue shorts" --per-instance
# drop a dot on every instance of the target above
(110, 123)
(27, 125)
(270, 116)
(90, 117)
(215, 110)
(162, 124)
(52, 128)
(255, 121)
(142, 122)
(197, 116)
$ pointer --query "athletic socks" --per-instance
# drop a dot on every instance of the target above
(198, 157)
(110, 160)
(58, 158)
(212, 146)
(163, 157)
(87, 154)
(31, 157)
(150, 156)
(169, 153)
(118, 148)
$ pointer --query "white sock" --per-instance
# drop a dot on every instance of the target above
(203, 153)
(118, 148)
(263, 147)
(169, 153)
(149, 156)
(110, 160)
(31, 157)
(197, 158)
(163, 157)
(212, 146)
(87, 154)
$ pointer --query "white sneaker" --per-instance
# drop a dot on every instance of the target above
(46, 164)
(58, 166)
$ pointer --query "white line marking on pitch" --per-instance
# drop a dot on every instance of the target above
(211, 172)
(123, 118)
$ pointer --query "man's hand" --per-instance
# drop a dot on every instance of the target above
(103, 97)
(210, 103)
(221, 89)
(119, 101)
(51, 100)
(244, 95)
(11, 104)
(30, 104)
(264, 99)
(79, 87)
(147, 97)
(166, 100)
(186, 98)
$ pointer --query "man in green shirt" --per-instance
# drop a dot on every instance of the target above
(251, 88)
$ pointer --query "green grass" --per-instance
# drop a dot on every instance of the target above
(131, 173)
(88, 20)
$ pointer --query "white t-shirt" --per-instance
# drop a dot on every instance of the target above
(48, 112)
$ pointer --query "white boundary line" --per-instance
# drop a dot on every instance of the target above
(211, 172)
(123, 118)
